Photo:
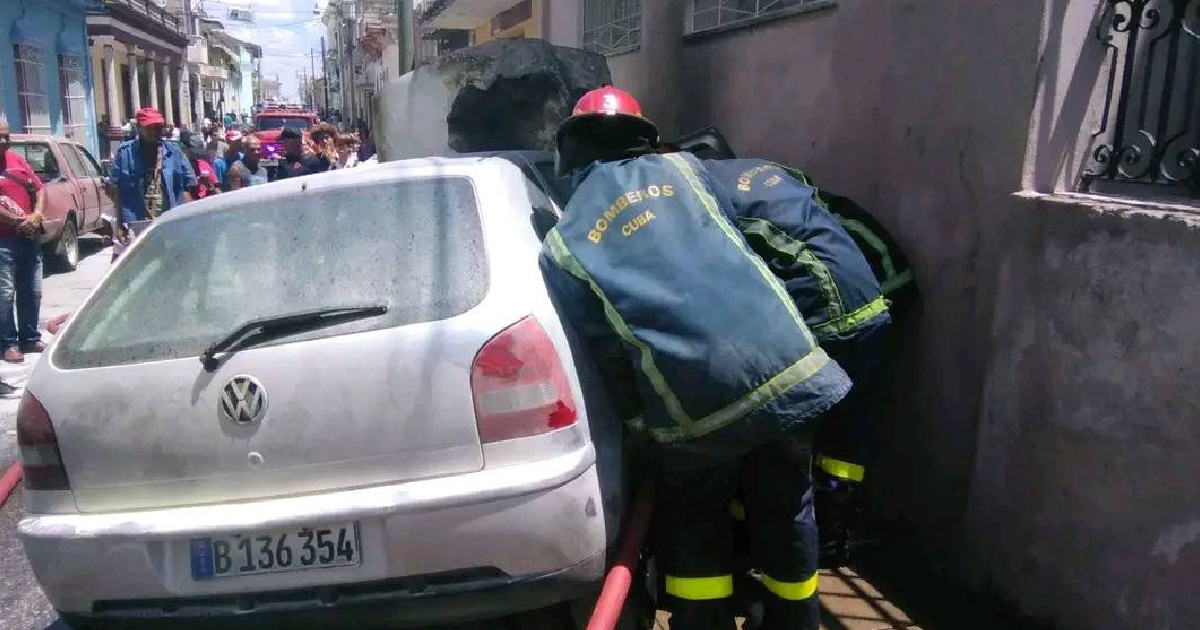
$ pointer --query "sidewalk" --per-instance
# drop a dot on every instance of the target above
(61, 293)
(895, 588)
(849, 602)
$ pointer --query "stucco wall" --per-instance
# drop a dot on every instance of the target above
(1085, 507)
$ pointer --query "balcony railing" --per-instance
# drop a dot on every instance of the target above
(1148, 137)
(150, 11)
(197, 50)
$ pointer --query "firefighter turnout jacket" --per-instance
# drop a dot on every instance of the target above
(648, 254)
(805, 245)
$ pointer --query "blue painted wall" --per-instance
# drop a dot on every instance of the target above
(57, 27)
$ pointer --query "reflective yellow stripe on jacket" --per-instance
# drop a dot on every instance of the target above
(786, 246)
(565, 259)
(853, 319)
(687, 427)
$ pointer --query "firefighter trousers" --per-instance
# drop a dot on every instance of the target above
(694, 537)
(845, 437)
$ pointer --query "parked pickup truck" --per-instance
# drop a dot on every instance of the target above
(76, 201)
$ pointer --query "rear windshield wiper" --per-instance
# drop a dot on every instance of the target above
(263, 329)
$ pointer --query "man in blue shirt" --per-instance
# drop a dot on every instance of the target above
(149, 174)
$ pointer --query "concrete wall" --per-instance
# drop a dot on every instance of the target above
(1084, 504)
(57, 27)
(1042, 437)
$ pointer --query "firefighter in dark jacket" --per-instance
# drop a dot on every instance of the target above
(706, 351)
(835, 288)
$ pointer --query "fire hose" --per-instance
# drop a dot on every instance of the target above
(620, 577)
(10, 480)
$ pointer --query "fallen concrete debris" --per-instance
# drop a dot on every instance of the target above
(505, 94)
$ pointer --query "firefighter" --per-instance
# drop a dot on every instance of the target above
(881, 250)
(705, 353)
(834, 286)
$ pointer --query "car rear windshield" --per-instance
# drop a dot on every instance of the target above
(416, 245)
(279, 122)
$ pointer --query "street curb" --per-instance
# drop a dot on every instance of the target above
(9, 481)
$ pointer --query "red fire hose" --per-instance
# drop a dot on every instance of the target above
(620, 576)
(10, 480)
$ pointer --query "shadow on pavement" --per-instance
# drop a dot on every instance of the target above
(89, 245)
(935, 600)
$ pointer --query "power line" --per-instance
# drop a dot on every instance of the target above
(249, 6)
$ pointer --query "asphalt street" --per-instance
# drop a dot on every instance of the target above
(22, 605)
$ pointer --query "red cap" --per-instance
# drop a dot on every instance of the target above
(147, 116)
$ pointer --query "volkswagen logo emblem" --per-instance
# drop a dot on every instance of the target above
(243, 401)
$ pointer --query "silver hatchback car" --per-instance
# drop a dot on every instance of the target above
(342, 398)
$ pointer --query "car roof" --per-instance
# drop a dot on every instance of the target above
(37, 137)
(362, 174)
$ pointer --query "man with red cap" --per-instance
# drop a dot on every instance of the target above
(149, 174)
(705, 355)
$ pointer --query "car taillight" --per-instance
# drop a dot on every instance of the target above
(40, 456)
(519, 386)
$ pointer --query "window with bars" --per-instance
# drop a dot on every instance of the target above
(74, 99)
(716, 14)
(31, 88)
(612, 26)
(1147, 141)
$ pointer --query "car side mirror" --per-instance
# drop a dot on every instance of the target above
(106, 167)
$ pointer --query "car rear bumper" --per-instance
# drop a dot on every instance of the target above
(418, 601)
(494, 529)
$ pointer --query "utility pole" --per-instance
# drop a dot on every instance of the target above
(312, 85)
(325, 70)
(404, 34)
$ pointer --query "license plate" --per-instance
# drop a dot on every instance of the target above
(269, 162)
(277, 551)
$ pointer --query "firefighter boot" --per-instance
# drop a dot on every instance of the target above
(835, 511)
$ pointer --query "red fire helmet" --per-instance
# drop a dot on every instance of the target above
(600, 115)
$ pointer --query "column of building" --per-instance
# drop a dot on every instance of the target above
(135, 85)
(164, 69)
(187, 110)
(111, 102)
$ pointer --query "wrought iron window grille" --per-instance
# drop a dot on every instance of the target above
(1148, 137)
(707, 15)
(612, 26)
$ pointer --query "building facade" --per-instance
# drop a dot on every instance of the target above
(45, 76)
(363, 44)
(1039, 163)
(138, 51)
(450, 25)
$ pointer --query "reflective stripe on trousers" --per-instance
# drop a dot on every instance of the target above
(700, 588)
(791, 591)
(843, 470)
